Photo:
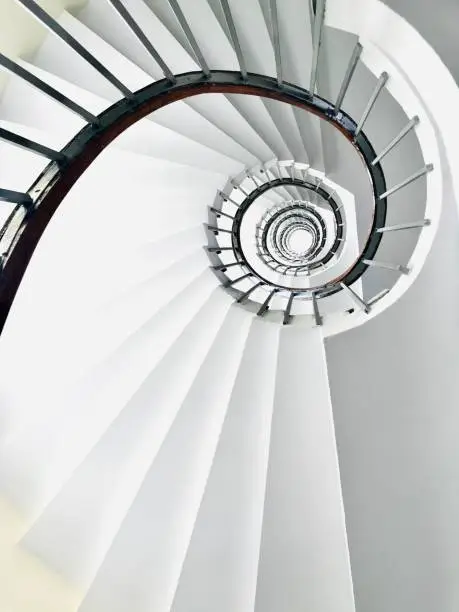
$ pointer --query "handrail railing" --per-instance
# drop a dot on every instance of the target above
(36, 206)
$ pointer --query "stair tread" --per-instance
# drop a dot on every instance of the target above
(158, 528)
(111, 475)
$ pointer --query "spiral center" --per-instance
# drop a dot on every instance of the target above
(300, 241)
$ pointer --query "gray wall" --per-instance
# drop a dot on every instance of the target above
(395, 393)
(437, 23)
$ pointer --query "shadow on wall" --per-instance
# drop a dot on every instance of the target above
(395, 391)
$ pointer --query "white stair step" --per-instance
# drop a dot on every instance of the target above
(259, 54)
(77, 528)
(132, 307)
(122, 296)
(83, 75)
(65, 287)
(210, 37)
(152, 139)
(221, 566)
(93, 336)
(295, 41)
(137, 265)
(232, 128)
(37, 109)
(125, 217)
(163, 11)
(125, 70)
(143, 137)
(304, 558)
(178, 116)
(24, 104)
(289, 191)
(251, 107)
(102, 19)
(222, 113)
(35, 461)
(295, 34)
(150, 198)
(55, 56)
(143, 566)
(192, 120)
(335, 51)
(53, 51)
(219, 54)
(295, 192)
(108, 274)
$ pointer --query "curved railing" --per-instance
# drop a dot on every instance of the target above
(34, 208)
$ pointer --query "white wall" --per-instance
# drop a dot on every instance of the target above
(395, 392)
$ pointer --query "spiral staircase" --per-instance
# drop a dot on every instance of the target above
(229, 308)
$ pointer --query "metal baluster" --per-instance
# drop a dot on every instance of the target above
(189, 34)
(404, 226)
(287, 316)
(223, 267)
(252, 178)
(31, 145)
(218, 249)
(315, 308)
(316, 41)
(48, 21)
(371, 102)
(407, 181)
(276, 40)
(264, 171)
(386, 266)
(234, 37)
(279, 169)
(15, 197)
(220, 213)
(237, 186)
(215, 229)
(348, 76)
(356, 298)
(265, 306)
(408, 127)
(134, 26)
(268, 172)
(319, 184)
(236, 280)
(46, 89)
(226, 198)
(245, 295)
(378, 297)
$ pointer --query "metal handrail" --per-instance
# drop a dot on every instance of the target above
(270, 218)
(39, 202)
